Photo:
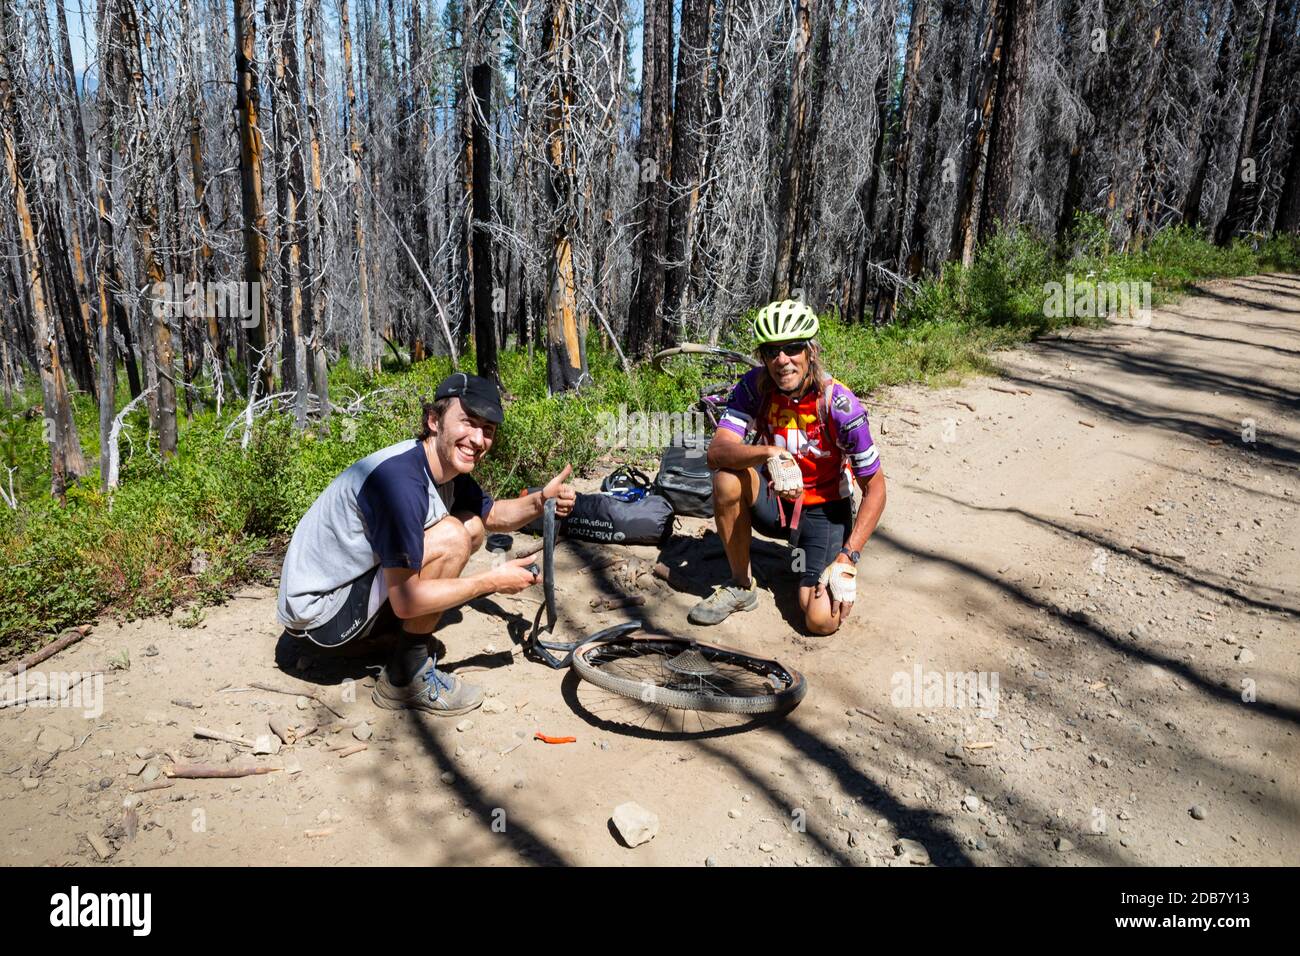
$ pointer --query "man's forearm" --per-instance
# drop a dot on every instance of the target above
(434, 595)
(511, 514)
(736, 455)
(873, 506)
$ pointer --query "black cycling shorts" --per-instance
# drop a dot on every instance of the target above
(355, 621)
(822, 530)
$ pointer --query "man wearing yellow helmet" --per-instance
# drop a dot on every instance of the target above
(806, 432)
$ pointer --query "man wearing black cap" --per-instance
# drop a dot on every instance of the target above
(381, 550)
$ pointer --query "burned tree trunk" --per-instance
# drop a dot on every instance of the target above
(1013, 74)
(142, 150)
(566, 352)
(485, 331)
(369, 361)
(645, 322)
(1244, 193)
(690, 117)
(247, 103)
(66, 461)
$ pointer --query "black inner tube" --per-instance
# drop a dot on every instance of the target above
(539, 649)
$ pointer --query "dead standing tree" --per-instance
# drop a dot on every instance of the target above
(66, 460)
(247, 104)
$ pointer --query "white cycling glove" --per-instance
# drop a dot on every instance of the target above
(785, 473)
(841, 580)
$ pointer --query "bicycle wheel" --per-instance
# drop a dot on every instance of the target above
(710, 361)
(684, 674)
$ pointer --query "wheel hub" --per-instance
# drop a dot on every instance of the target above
(691, 663)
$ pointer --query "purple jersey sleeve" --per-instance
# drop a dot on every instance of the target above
(743, 404)
(852, 433)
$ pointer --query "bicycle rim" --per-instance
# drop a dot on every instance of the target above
(683, 674)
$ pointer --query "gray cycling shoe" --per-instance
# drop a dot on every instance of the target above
(725, 600)
(431, 691)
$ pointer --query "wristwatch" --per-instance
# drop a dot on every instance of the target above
(854, 556)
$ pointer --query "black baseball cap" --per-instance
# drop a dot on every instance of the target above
(479, 395)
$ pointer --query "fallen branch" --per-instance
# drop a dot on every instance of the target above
(156, 785)
(1161, 553)
(526, 550)
(204, 771)
(610, 604)
(966, 404)
(67, 640)
(354, 749)
(224, 738)
(259, 685)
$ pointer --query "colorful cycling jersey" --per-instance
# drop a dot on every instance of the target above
(794, 425)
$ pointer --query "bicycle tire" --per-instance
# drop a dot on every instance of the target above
(779, 702)
(713, 351)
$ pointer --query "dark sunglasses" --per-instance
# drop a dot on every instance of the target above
(791, 349)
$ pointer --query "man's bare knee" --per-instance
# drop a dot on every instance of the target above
(474, 525)
(448, 545)
(822, 626)
(728, 487)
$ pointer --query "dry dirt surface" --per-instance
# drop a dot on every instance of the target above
(1103, 539)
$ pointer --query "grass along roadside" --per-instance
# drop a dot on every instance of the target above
(190, 530)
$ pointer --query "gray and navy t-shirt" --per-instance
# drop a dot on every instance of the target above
(374, 514)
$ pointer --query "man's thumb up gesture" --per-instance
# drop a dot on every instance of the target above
(563, 494)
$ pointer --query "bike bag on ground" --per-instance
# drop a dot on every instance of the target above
(685, 480)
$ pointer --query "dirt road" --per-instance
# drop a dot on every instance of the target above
(1094, 535)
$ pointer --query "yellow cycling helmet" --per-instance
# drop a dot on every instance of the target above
(784, 321)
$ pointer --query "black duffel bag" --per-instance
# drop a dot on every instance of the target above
(610, 520)
(685, 480)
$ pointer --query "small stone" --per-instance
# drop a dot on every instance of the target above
(1245, 656)
(734, 814)
(710, 861)
(1063, 845)
(971, 803)
(913, 851)
(302, 703)
(362, 731)
(105, 783)
(765, 848)
(143, 753)
(52, 740)
(292, 766)
(447, 777)
(323, 817)
(266, 744)
(150, 772)
(634, 823)
(1198, 812)
(105, 754)
(100, 845)
(1123, 814)
(465, 725)
(151, 650)
(493, 705)
(520, 784)
(30, 783)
